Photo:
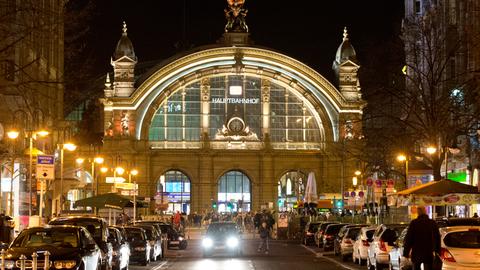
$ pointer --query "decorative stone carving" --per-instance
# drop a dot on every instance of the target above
(235, 15)
(205, 89)
(265, 90)
(124, 123)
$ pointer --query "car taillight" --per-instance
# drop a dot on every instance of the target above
(446, 255)
(347, 241)
(365, 243)
(309, 233)
(383, 247)
(328, 236)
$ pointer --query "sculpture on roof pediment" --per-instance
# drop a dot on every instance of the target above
(235, 14)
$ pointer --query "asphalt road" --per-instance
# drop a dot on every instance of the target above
(283, 255)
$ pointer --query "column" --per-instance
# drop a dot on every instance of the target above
(205, 107)
(265, 106)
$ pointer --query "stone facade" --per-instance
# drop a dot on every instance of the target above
(260, 155)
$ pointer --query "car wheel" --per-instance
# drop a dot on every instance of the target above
(344, 258)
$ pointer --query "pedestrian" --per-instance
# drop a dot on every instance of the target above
(264, 233)
(423, 240)
(475, 215)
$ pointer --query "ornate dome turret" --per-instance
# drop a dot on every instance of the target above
(124, 46)
(345, 51)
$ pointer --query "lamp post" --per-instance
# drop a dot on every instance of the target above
(12, 135)
(134, 173)
(69, 147)
(95, 160)
(33, 135)
(403, 158)
(103, 170)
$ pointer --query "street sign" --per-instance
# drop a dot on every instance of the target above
(45, 167)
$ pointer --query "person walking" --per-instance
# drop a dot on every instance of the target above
(264, 232)
(423, 240)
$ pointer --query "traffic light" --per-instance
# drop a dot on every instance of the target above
(214, 205)
(229, 206)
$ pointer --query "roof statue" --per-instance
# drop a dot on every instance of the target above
(235, 14)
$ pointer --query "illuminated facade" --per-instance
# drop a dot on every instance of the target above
(226, 125)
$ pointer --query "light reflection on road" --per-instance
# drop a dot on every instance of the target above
(222, 264)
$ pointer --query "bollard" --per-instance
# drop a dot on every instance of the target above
(47, 260)
(22, 262)
(3, 259)
(34, 261)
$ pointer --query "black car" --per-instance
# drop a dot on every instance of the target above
(155, 240)
(309, 233)
(121, 249)
(224, 236)
(139, 245)
(329, 235)
(70, 247)
(166, 233)
(174, 237)
(97, 227)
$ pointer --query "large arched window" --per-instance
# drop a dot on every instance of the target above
(291, 188)
(234, 192)
(236, 111)
(174, 188)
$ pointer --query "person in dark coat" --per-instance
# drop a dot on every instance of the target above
(423, 239)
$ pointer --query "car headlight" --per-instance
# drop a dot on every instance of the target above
(232, 242)
(140, 249)
(207, 243)
(180, 238)
(64, 264)
(9, 264)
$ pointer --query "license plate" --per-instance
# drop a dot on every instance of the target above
(174, 242)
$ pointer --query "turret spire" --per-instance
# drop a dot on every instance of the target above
(345, 34)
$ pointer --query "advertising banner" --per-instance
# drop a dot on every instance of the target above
(420, 200)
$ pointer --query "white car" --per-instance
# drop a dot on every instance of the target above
(460, 247)
(361, 244)
(397, 261)
(383, 241)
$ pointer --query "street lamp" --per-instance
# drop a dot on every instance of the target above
(403, 158)
(431, 150)
(33, 136)
(354, 181)
(13, 135)
(69, 147)
(134, 172)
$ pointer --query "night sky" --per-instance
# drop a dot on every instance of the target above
(308, 30)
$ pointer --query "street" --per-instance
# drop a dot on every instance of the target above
(284, 255)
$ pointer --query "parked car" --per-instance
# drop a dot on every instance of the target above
(320, 231)
(155, 240)
(460, 247)
(343, 243)
(121, 249)
(174, 237)
(70, 247)
(309, 233)
(224, 236)
(361, 244)
(97, 227)
(397, 261)
(329, 235)
(449, 222)
(139, 245)
(383, 241)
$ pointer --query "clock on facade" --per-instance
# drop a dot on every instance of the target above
(236, 125)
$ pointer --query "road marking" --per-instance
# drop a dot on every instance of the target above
(319, 254)
(158, 267)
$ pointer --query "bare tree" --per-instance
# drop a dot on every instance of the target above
(439, 101)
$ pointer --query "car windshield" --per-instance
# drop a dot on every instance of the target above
(334, 229)
(353, 232)
(221, 228)
(134, 234)
(55, 238)
(313, 227)
(370, 233)
(464, 239)
(93, 226)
